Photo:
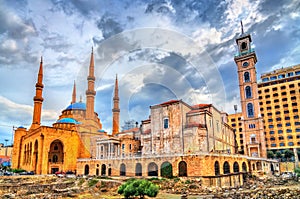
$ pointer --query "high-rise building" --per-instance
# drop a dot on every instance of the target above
(279, 99)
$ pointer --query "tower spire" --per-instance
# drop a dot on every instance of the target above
(116, 109)
(242, 27)
(90, 92)
(74, 93)
(38, 99)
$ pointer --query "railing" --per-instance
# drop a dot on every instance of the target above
(252, 50)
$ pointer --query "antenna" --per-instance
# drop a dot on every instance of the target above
(242, 27)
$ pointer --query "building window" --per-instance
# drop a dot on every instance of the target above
(279, 125)
(287, 118)
(297, 123)
(296, 117)
(123, 146)
(291, 143)
(250, 110)
(251, 126)
(271, 132)
(290, 74)
(246, 77)
(129, 146)
(265, 79)
(166, 123)
(252, 138)
(289, 137)
(297, 129)
(278, 119)
(292, 86)
(273, 145)
(282, 87)
(55, 147)
(281, 144)
(280, 131)
(280, 138)
(248, 92)
(270, 120)
(288, 124)
(271, 126)
(289, 130)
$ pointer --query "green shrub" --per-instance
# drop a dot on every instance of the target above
(92, 182)
(138, 187)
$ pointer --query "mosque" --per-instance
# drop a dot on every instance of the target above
(177, 139)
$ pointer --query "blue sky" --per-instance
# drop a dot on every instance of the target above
(161, 50)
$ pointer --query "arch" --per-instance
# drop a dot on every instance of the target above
(246, 76)
(97, 172)
(236, 168)
(152, 169)
(103, 169)
(86, 169)
(166, 170)
(248, 92)
(122, 169)
(226, 167)
(250, 110)
(244, 166)
(35, 155)
(56, 152)
(217, 168)
(258, 166)
(182, 167)
(138, 169)
(244, 46)
(109, 171)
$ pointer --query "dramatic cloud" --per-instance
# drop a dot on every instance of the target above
(160, 49)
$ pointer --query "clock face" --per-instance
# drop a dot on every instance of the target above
(245, 64)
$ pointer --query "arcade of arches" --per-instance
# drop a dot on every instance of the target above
(215, 170)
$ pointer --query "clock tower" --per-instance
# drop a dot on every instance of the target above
(252, 122)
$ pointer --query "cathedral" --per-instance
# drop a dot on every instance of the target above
(177, 139)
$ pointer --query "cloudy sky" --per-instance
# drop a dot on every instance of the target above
(160, 49)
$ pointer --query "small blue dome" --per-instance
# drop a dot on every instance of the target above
(101, 131)
(68, 120)
(77, 105)
(21, 127)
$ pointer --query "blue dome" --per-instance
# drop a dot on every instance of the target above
(67, 120)
(101, 131)
(77, 105)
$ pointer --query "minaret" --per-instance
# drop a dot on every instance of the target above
(90, 92)
(38, 99)
(116, 109)
(74, 94)
(253, 131)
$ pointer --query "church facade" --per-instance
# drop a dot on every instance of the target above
(177, 139)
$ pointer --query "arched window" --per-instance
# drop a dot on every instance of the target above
(182, 167)
(246, 77)
(236, 167)
(54, 158)
(248, 92)
(166, 170)
(138, 169)
(226, 168)
(86, 169)
(244, 166)
(122, 170)
(152, 169)
(103, 169)
(244, 46)
(250, 110)
(258, 166)
(217, 168)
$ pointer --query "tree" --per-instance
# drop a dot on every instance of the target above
(278, 155)
(138, 187)
(288, 154)
(270, 154)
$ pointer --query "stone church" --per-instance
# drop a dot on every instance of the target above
(177, 139)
